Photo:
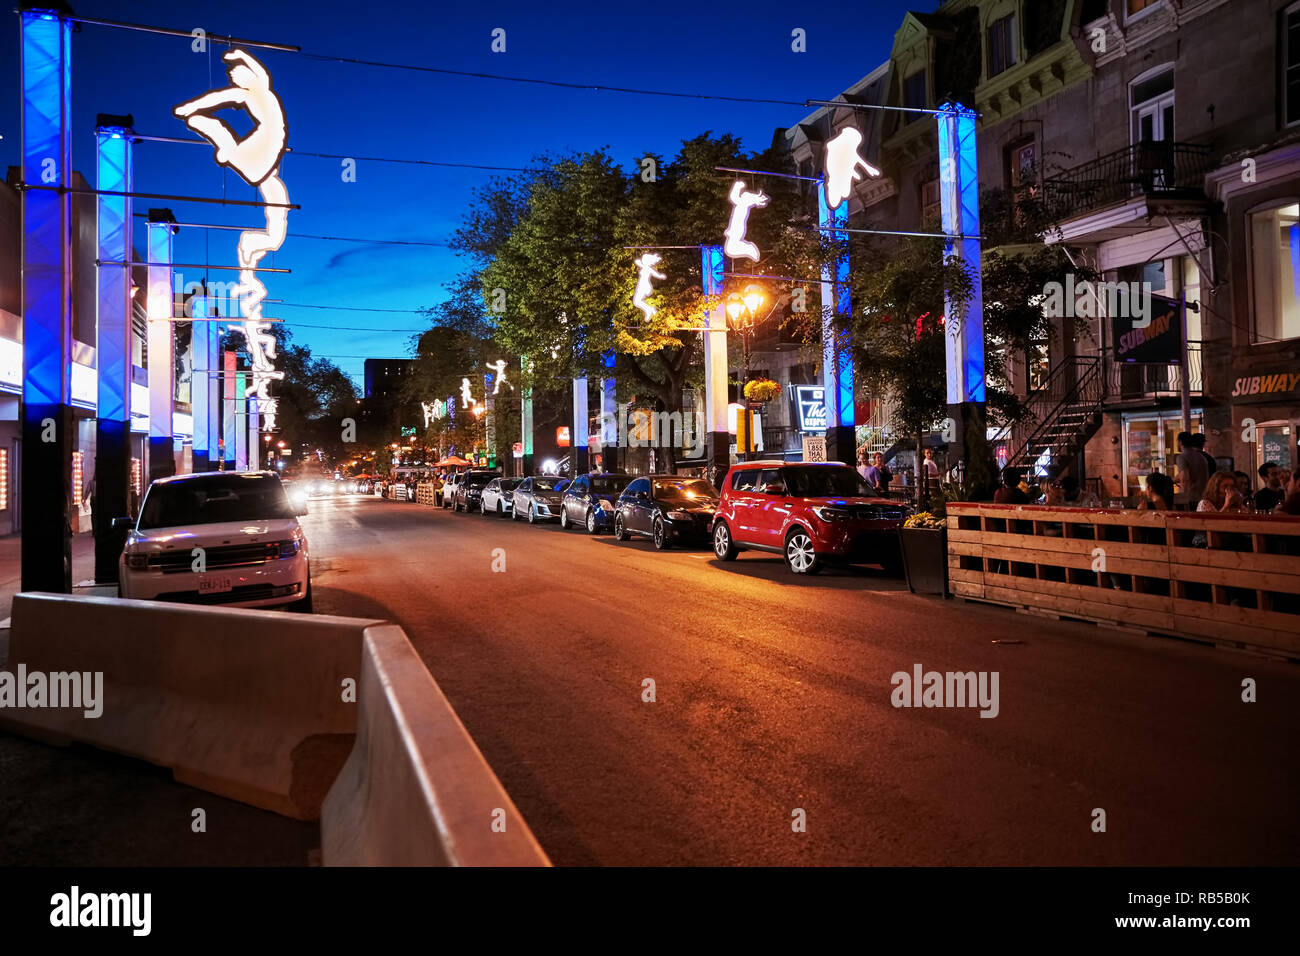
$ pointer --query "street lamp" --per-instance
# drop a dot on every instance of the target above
(742, 311)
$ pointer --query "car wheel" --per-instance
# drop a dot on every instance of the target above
(660, 535)
(591, 521)
(514, 512)
(501, 510)
(532, 515)
(723, 546)
(799, 554)
(564, 517)
(482, 508)
(620, 532)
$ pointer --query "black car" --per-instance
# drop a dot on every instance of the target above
(469, 490)
(666, 509)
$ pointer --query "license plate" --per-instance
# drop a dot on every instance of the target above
(214, 585)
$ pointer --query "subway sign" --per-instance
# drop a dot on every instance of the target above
(810, 405)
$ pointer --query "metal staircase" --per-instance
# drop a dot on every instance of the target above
(1063, 414)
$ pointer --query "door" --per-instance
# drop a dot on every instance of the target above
(772, 510)
(575, 506)
(637, 509)
(745, 503)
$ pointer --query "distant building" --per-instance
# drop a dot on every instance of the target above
(383, 377)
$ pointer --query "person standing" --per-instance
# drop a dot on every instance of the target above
(878, 473)
(930, 472)
(1192, 470)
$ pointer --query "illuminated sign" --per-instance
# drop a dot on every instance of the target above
(742, 201)
(647, 265)
(433, 411)
(562, 436)
(256, 157)
(841, 166)
(810, 403)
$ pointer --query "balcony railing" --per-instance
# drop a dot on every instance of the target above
(1163, 169)
(1129, 381)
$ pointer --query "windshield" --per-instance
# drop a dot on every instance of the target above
(478, 481)
(508, 483)
(827, 483)
(684, 488)
(547, 484)
(213, 500)
(609, 484)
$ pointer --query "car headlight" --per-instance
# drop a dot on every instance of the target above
(137, 560)
(605, 505)
(291, 547)
(679, 515)
(831, 514)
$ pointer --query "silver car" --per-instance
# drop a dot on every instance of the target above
(538, 498)
(498, 497)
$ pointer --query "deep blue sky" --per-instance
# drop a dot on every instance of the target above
(730, 49)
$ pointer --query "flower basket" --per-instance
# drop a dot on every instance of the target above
(762, 390)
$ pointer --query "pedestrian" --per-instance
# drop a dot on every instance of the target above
(1272, 489)
(862, 463)
(1193, 471)
(930, 472)
(1221, 494)
(1158, 495)
(1010, 493)
(1076, 496)
(877, 473)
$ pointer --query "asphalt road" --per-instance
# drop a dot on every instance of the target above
(773, 694)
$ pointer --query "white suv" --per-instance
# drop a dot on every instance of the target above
(221, 537)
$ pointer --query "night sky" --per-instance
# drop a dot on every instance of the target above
(361, 111)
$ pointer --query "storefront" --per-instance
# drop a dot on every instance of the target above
(1151, 444)
(1267, 408)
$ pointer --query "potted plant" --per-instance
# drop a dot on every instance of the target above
(923, 539)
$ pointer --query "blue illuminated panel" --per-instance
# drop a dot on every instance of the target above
(113, 341)
(837, 358)
(47, 215)
(959, 194)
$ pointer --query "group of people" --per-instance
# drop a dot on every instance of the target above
(872, 468)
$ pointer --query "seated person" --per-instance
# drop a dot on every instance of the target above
(1158, 495)
(1221, 494)
(1010, 493)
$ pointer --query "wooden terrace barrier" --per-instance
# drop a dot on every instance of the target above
(1231, 579)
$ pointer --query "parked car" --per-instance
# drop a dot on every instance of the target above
(812, 513)
(449, 489)
(469, 490)
(230, 538)
(498, 497)
(589, 501)
(538, 498)
(666, 509)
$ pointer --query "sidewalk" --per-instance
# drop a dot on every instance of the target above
(83, 571)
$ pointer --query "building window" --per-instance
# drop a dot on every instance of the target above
(1134, 7)
(915, 95)
(1275, 256)
(1291, 64)
(931, 200)
(1022, 161)
(1152, 103)
(1002, 44)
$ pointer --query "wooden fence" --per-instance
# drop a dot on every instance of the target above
(1226, 578)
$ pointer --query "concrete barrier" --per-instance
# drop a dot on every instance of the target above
(247, 704)
(416, 791)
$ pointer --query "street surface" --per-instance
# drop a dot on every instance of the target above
(773, 693)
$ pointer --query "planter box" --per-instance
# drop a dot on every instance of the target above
(925, 557)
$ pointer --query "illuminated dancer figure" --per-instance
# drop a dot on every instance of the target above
(742, 201)
(646, 264)
(257, 159)
(842, 162)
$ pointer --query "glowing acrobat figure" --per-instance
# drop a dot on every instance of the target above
(742, 201)
(499, 366)
(256, 158)
(646, 264)
(469, 400)
(842, 162)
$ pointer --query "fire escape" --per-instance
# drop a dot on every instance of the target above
(1062, 416)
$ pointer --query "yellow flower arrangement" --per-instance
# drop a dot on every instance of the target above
(762, 390)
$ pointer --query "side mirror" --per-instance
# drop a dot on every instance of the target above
(122, 524)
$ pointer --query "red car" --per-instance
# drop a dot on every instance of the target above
(812, 513)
